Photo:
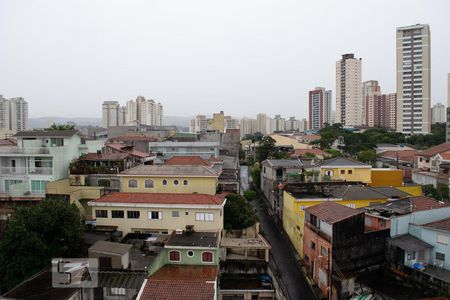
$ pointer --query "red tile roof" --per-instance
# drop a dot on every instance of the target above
(104, 156)
(315, 151)
(445, 155)
(188, 160)
(441, 225)
(405, 155)
(123, 148)
(426, 203)
(181, 282)
(436, 149)
(161, 198)
(8, 142)
(332, 212)
(134, 138)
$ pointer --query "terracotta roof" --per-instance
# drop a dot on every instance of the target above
(123, 148)
(48, 133)
(405, 155)
(441, 225)
(342, 161)
(104, 156)
(181, 282)
(332, 212)
(8, 142)
(445, 155)
(435, 150)
(161, 198)
(315, 151)
(171, 170)
(426, 203)
(188, 160)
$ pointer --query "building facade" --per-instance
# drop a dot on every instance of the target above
(319, 108)
(13, 115)
(438, 113)
(413, 79)
(110, 114)
(349, 106)
(248, 126)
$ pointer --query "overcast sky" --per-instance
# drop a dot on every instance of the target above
(198, 57)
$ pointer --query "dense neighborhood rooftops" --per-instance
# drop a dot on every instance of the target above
(315, 151)
(48, 133)
(181, 282)
(357, 192)
(435, 150)
(405, 155)
(332, 212)
(160, 198)
(170, 170)
(188, 160)
(110, 247)
(342, 162)
(404, 206)
(193, 239)
(134, 138)
(409, 243)
(283, 163)
(127, 149)
(125, 279)
(443, 225)
(183, 144)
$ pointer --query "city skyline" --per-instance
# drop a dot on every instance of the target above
(183, 63)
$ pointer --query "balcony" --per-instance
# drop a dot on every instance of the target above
(26, 171)
(27, 150)
(318, 232)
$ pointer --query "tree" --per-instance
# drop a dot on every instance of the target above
(238, 213)
(250, 195)
(367, 155)
(61, 127)
(34, 235)
(266, 148)
(256, 175)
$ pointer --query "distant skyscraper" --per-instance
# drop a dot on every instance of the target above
(392, 110)
(263, 124)
(4, 113)
(247, 126)
(18, 117)
(122, 116)
(438, 113)
(319, 108)
(349, 107)
(369, 88)
(110, 114)
(303, 125)
(380, 109)
(278, 124)
(231, 123)
(292, 124)
(131, 112)
(413, 79)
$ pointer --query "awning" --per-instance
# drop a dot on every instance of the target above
(409, 243)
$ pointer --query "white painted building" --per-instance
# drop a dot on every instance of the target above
(438, 113)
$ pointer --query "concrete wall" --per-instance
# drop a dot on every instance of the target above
(400, 224)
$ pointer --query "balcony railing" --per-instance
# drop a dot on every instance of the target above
(318, 232)
(26, 171)
(25, 150)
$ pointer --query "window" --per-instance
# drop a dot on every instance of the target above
(442, 239)
(207, 256)
(9, 182)
(174, 256)
(185, 182)
(117, 291)
(175, 213)
(149, 184)
(38, 186)
(132, 183)
(186, 213)
(313, 245)
(323, 251)
(190, 253)
(164, 182)
(155, 215)
(133, 214)
(351, 205)
(440, 256)
(104, 182)
(342, 172)
(201, 216)
(101, 213)
(118, 214)
(175, 182)
(306, 258)
(350, 172)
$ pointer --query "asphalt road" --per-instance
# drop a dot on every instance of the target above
(282, 258)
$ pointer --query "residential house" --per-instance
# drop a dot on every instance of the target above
(344, 169)
(275, 171)
(169, 179)
(166, 150)
(229, 178)
(314, 152)
(337, 248)
(403, 160)
(111, 255)
(424, 158)
(244, 264)
(297, 197)
(158, 212)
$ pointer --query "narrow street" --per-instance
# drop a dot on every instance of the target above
(282, 260)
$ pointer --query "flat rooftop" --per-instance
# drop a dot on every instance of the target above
(257, 243)
(194, 239)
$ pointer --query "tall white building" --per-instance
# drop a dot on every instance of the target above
(131, 116)
(247, 126)
(278, 123)
(413, 79)
(438, 113)
(110, 114)
(122, 116)
(199, 124)
(4, 113)
(303, 125)
(18, 116)
(263, 124)
(292, 124)
(231, 123)
(319, 108)
(349, 106)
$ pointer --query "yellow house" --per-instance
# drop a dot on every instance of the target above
(169, 179)
(158, 213)
(344, 169)
(295, 200)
